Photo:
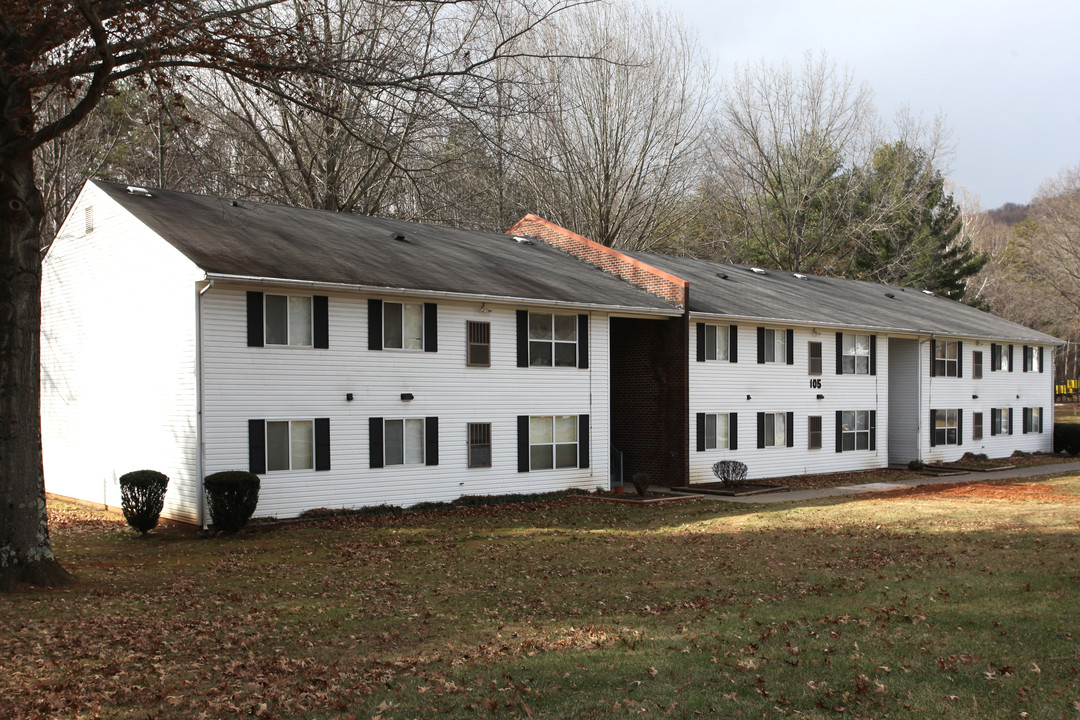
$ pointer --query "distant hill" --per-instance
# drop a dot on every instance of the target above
(1009, 214)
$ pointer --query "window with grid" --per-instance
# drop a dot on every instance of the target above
(553, 442)
(479, 344)
(479, 445)
(856, 359)
(946, 362)
(945, 427)
(855, 430)
(552, 340)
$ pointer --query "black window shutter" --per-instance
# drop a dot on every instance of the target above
(1040, 363)
(523, 345)
(933, 416)
(1026, 426)
(873, 429)
(839, 353)
(1040, 416)
(733, 343)
(523, 439)
(254, 319)
(959, 358)
(995, 356)
(873, 354)
(583, 441)
(322, 443)
(994, 415)
(374, 330)
(701, 342)
(1010, 421)
(320, 308)
(375, 442)
(761, 345)
(431, 441)
(790, 429)
(257, 446)
(790, 347)
(933, 357)
(733, 430)
(960, 426)
(583, 343)
(701, 432)
(431, 327)
(839, 431)
(1010, 358)
(760, 430)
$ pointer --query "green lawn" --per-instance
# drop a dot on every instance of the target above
(944, 604)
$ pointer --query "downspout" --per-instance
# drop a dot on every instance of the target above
(199, 439)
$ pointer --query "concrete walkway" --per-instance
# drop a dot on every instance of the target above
(845, 490)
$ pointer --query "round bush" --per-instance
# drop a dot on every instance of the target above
(231, 496)
(1067, 438)
(142, 495)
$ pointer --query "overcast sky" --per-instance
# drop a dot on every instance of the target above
(1005, 75)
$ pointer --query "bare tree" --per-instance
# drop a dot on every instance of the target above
(613, 148)
(81, 48)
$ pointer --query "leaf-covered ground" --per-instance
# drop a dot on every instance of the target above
(951, 601)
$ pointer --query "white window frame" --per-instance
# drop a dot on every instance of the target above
(776, 344)
(404, 341)
(775, 428)
(717, 342)
(859, 357)
(946, 421)
(296, 433)
(855, 430)
(717, 431)
(950, 366)
(1032, 419)
(555, 346)
(294, 336)
(538, 441)
(406, 448)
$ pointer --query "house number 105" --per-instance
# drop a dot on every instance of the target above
(815, 383)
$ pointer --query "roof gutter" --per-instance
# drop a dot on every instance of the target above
(920, 332)
(200, 450)
(449, 295)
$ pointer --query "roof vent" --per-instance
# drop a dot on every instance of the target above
(799, 275)
(928, 292)
(889, 295)
(400, 238)
(722, 276)
(140, 191)
(757, 271)
(523, 240)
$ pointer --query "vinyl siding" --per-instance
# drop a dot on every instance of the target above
(996, 389)
(118, 359)
(747, 388)
(243, 383)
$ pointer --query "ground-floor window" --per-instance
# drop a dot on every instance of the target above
(1033, 420)
(946, 427)
(275, 445)
(479, 445)
(552, 442)
(813, 429)
(855, 430)
(976, 426)
(775, 430)
(1001, 421)
(717, 431)
(403, 441)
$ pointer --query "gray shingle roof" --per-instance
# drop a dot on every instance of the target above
(261, 240)
(777, 296)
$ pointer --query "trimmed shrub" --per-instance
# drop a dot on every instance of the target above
(231, 496)
(1067, 438)
(142, 495)
(730, 472)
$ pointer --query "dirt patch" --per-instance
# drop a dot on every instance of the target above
(828, 480)
(998, 490)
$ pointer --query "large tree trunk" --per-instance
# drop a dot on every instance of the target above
(25, 551)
